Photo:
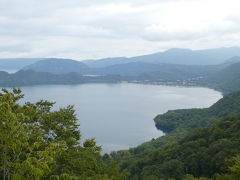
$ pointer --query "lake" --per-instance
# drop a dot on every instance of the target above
(120, 116)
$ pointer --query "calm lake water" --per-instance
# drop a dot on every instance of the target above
(120, 116)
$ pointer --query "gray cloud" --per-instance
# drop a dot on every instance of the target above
(93, 29)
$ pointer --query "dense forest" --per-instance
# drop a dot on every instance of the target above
(206, 152)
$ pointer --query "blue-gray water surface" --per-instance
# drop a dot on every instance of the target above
(120, 116)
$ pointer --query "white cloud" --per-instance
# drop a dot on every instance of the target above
(93, 29)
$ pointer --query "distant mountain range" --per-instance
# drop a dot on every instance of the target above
(164, 62)
(138, 70)
(216, 68)
(174, 56)
(224, 77)
(171, 56)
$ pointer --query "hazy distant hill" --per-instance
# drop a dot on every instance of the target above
(58, 66)
(178, 56)
(174, 56)
(15, 64)
(233, 60)
(227, 79)
(156, 71)
(106, 62)
(221, 53)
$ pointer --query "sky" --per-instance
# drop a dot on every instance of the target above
(93, 29)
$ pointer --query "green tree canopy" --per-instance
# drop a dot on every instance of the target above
(38, 143)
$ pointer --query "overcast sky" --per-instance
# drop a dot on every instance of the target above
(90, 29)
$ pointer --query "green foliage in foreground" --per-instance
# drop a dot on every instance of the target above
(37, 143)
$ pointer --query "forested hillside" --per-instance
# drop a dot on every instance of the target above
(206, 152)
(227, 79)
(173, 56)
